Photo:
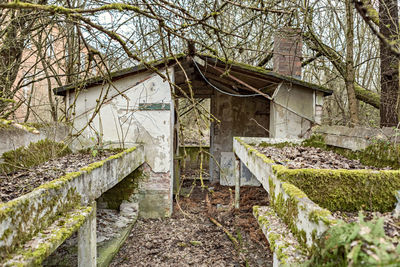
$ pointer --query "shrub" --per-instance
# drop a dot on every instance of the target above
(356, 244)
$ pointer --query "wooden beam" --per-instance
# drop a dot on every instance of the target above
(243, 83)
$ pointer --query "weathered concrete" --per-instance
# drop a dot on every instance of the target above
(396, 211)
(87, 249)
(292, 112)
(287, 250)
(246, 177)
(45, 242)
(239, 117)
(24, 217)
(154, 194)
(356, 138)
(192, 159)
(232, 168)
(265, 170)
(12, 137)
(139, 109)
(113, 227)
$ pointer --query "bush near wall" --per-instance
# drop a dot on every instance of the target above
(32, 155)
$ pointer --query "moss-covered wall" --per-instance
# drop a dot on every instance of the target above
(373, 147)
(305, 219)
(346, 190)
(24, 217)
(191, 157)
(32, 155)
(13, 136)
(124, 190)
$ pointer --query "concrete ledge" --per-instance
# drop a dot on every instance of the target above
(13, 135)
(356, 138)
(42, 245)
(305, 219)
(24, 217)
(287, 250)
(108, 251)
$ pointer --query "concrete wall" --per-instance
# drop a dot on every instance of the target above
(12, 138)
(143, 113)
(192, 159)
(356, 138)
(293, 121)
(32, 214)
(284, 196)
(237, 117)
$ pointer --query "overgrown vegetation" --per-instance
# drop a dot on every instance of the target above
(359, 243)
(32, 155)
(346, 190)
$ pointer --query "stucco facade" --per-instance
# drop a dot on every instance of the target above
(138, 110)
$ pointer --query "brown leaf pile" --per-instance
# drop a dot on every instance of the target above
(193, 240)
(24, 181)
(299, 157)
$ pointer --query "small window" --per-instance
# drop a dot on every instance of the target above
(50, 46)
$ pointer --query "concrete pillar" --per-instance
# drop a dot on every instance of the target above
(87, 241)
(237, 184)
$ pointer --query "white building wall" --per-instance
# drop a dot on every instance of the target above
(291, 112)
(138, 110)
(121, 122)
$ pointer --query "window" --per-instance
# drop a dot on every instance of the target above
(50, 46)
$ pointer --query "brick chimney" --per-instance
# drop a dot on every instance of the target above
(288, 52)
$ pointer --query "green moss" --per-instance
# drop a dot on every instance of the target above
(71, 223)
(19, 211)
(32, 155)
(293, 191)
(5, 123)
(346, 190)
(89, 168)
(321, 215)
(277, 145)
(282, 257)
(252, 150)
(124, 190)
(272, 237)
(278, 249)
(315, 140)
(380, 153)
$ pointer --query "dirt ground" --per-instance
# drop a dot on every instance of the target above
(189, 238)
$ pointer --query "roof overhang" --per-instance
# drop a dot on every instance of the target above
(232, 75)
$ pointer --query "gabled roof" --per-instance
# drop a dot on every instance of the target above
(234, 66)
(115, 75)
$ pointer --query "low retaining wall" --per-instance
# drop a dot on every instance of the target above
(23, 218)
(12, 137)
(306, 220)
(356, 138)
(281, 241)
(299, 196)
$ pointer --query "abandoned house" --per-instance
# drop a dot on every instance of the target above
(138, 107)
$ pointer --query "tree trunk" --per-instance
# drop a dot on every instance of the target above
(388, 21)
(349, 77)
